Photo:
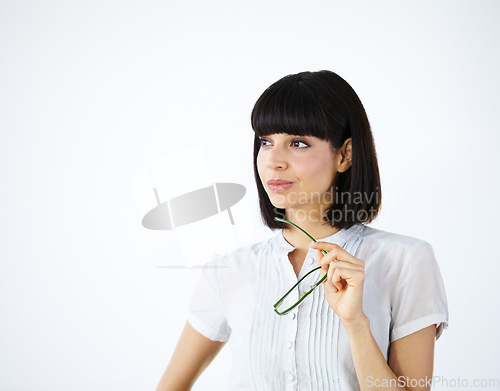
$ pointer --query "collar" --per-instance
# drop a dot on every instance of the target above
(340, 237)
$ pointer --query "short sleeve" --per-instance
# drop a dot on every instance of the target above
(419, 299)
(206, 313)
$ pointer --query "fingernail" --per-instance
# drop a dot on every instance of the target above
(312, 243)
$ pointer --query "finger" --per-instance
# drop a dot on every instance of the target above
(336, 278)
(349, 276)
(328, 280)
(323, 271)
(334, 251)
(319, 255)
(343, 264)
(329, 287)
(326, 259)
(324, 246)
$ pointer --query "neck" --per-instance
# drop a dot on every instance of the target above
(298, 239)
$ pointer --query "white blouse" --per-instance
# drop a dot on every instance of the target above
(308, 348)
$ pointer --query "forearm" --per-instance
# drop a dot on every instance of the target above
(372, 369)
(192, 355)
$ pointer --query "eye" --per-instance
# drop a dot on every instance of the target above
(296, 143)
(263, 141)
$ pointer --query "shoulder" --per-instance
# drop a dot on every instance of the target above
(393, 251)
(389, 240)
(390, 243)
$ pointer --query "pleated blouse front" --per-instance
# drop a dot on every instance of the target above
(308, 348)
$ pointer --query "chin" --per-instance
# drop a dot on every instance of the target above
(279, 206)
(279, 202)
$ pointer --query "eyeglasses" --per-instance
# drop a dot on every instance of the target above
(313, 287)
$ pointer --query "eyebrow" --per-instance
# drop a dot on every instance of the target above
(287, 135)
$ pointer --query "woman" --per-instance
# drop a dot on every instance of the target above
(373, 322)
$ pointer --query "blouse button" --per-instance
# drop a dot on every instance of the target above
(310, 261)
(290, 377)
(289, 344)
(293, 315)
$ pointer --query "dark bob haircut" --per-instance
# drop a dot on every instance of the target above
(324, 105)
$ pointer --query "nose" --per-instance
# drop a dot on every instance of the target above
(276, 158)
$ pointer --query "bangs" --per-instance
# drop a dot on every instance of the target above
(289, 106)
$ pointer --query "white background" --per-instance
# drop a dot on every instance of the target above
(92, 92)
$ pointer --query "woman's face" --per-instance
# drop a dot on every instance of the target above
(306, 165)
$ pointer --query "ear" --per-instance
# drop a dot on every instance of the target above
(344, 156)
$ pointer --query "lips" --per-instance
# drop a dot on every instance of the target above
(277, 182)
(279, 185)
